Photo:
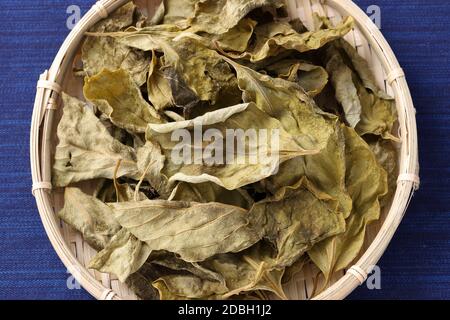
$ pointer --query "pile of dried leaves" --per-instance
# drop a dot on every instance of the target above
(208, 231)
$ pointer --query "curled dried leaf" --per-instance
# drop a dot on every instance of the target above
(86, 150)
(118, 97)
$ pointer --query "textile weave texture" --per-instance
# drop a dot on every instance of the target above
(417, 262)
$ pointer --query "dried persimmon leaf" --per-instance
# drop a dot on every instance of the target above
(118, 97)
(86, 150)
(276, 37)
(311, 78)
(90, 216)
(219, 16)
(366, 184)
(122, 256)
(216, 167)
(195, 231)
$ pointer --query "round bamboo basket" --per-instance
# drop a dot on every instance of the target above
(75, 253)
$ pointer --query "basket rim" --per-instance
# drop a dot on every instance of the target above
(42, 119)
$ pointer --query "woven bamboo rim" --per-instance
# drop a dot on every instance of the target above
(371, 44)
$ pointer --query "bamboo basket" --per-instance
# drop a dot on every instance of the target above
(75, 253)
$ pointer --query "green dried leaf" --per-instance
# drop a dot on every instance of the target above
(108, 191)
(367, 108)
(120, 19)
(287, 102)
(202, 69)
(326, 170)
(379, 115)
(90, 216)
(157, 18)
(86, 150)
(158, 87)
(151, 163)
(171, 261)
(178, 11)
(292, 273)
(219, 16)
(195, 231)
(100, 53)
(386, 153)
(275, 37)
(208, 166)
(211, 192)
(366, 184)
(285, 218)
(248, 271)
(117, 96)
(139, 282)
(342, 80)
(301, 216)
(237, 39)
(311, 78)
(183, 287)
(123, 256)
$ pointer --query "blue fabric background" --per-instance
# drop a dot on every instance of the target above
(417, 263)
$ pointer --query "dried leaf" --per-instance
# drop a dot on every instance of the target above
(151, 163)
(326, 170)
(238, 38)
(299, 217)
(120, 19)
(287, 102)
(158, 87)
(386, 153)
(366, 184)
(183, 287)
(100, 53)
(108, 191)
(157, 18)
(248, 271)
(368, 109)
(178, 11)
(219, 16)
(311, 78)
(342, 80)
(275, 37)
(117, 96)
(202, 69)
(194, 231)
(211, 192)
(171, 261)
(86, 150)
(123, 256)
(292, 273)
(90, 216)
(139, 282)
(189, 165)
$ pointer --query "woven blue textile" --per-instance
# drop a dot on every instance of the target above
(417, 262)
